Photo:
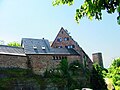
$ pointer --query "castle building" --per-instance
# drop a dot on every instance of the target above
(38, 55)
(64, 40)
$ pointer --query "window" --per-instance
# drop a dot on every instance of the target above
(73, 46)
(53, 57)
(43, 47)
(66, 46)
(59, 57)
(56, 58)
(59, 39)
(59, 46)
(70, 46)
(66, 39)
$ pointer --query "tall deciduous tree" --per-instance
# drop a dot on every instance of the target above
(93, 8)
(114, 73)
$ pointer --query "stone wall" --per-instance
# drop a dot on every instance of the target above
(40, 63)
(13, 61)
(74, 58)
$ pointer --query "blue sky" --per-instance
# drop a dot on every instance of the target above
(38, 18)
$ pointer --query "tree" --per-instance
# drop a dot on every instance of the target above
(16, 44)
(58, 76)
(80, 75)
(68, 75)
(114, 73)
(97, 80)
(93, 8)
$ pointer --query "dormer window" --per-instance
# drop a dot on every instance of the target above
(34, 47)
(43, 47)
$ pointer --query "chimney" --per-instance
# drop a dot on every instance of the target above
(97, 58)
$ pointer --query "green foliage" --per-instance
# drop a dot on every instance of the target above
(116, 63)
(93, 8)
(68, 75)
(114, 73)
(60, 2)
(64, 68)
(16, 44)
(97, 80)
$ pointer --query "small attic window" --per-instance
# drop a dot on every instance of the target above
(43, 47)
(34, 47)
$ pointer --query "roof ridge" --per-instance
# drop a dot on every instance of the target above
(35, 38)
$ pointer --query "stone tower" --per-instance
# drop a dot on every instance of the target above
(97, 58)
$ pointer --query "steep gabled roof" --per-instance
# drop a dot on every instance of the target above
(61, 30)
(64, 34)
(4, 49)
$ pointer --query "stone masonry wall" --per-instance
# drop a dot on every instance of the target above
(40, 63)
(74, 58)
(13, 61)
